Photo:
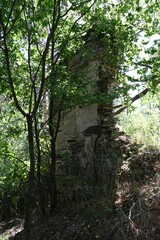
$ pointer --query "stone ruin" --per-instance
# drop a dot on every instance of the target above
(87, 134)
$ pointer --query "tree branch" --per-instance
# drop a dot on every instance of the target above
(67, 40)
(74, 8)
(18, 159)
(14, 21)
(136, 97)
(30, 68)
(7, 59)
(44, 56)
(143, 65)
(10, 14)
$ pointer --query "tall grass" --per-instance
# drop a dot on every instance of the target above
(143, 123)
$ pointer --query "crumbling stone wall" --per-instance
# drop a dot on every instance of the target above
(88, 133)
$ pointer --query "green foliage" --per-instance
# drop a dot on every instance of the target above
(143, 124)
(13, 159)
(12, 181)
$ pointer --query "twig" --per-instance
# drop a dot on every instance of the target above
(135, 98)
(18, 159)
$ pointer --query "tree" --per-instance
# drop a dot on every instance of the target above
(29, 31)
(140, 70)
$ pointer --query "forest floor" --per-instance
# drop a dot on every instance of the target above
(136, 214)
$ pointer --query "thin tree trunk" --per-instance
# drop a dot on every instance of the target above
(53, 188)
(30, 184)
(45, 110)
(40, 189)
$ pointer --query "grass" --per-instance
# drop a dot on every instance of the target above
(142, 124)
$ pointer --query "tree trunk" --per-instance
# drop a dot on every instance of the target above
(40, 189)
(30, 183)
(52, 180)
